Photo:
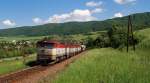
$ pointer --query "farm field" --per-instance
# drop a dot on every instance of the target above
(14, 65)
(107, 65)
(35, 38)
(21, 38)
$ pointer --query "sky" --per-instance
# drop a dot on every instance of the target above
(16, 13)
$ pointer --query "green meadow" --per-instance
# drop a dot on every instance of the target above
(108, 65)
(14, 65)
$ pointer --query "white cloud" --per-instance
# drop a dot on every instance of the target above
(118, 14)
(97, 10)
(124, 1)
(94, 4)
(75, 15)
(8, 22)
(37, 20)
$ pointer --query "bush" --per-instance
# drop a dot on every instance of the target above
(3, 54)
(117, 36)
(102, 41)
(8, 54)
(30, 50)
(90, 42)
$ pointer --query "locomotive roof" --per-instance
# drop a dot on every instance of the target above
(57, 42)
(48, 41)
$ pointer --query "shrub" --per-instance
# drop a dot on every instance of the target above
(30, 50)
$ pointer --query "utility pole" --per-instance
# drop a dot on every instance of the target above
(130, 36)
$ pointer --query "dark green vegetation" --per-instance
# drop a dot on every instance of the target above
(140, 20)
(108, 65)
(115, 37)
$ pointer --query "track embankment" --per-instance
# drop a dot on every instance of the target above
(36, 73)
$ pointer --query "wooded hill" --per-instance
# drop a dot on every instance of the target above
(140, 21)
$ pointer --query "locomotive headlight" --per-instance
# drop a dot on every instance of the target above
(54, 52)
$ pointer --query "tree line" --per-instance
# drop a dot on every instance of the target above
(115, 37)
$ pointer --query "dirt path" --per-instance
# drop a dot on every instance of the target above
(33, 75)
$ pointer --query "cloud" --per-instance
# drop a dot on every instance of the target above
(118, 14)
(37, 20)
(124, 1)
(75, 15)
(94, 4)
(8, 22)
(97, 10)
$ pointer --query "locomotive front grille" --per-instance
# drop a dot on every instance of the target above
(48, 54)
(44, 57)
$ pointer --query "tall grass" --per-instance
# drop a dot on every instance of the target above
(144, 37)
(109, 65)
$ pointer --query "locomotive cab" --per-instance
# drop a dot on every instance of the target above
(46, 51)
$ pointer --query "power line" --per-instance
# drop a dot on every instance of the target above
(130, 36)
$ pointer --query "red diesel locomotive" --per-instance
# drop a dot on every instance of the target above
(49, 50)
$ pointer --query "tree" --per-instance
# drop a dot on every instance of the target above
(90, 42)
(102, 41)
(117, 36)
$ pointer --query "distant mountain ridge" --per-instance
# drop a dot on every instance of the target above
(140, 21)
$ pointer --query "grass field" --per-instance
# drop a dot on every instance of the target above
(14, 65)
(107, 65)
(145, 39)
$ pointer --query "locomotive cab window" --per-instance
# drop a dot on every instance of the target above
(46, 45)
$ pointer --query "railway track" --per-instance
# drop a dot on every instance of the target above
(9, 78)
(33, 74)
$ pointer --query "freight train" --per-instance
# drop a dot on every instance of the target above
(48, 51)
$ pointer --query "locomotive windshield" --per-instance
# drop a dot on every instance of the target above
(46, 45)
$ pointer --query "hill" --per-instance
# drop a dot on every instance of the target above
(140, 20)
